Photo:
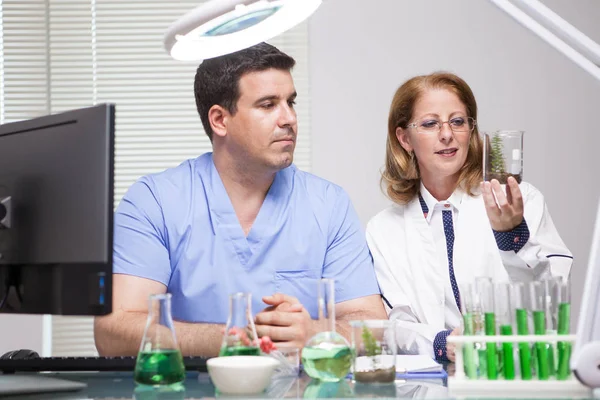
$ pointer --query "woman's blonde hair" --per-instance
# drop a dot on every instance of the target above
(401, 175)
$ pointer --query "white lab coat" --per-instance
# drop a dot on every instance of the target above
(409, 272)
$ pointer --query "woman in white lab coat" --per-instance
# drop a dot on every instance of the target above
(445, 228)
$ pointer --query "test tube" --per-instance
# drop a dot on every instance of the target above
(486, 291)
(537, 293)
(470, 308)
(551, 309)
(505, 316)
(564, 313)
(520, 293)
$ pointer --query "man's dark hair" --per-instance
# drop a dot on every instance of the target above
(217, 79)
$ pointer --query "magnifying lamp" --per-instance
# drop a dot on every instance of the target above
(220, 27)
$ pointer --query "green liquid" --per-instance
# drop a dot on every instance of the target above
(159, 367)
(331, 390)
(482, 357)
(239, 351)
(508, 356)
(539, 324)
(550, 351)
(491, 350)
(564, 354)
(468, 351)
(564, 348)
(524, 351)
(564, 315)
(327, 363)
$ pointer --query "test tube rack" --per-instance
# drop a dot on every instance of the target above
(461, 386)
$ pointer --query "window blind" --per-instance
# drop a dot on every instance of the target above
(57, 55)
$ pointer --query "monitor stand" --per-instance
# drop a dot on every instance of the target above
(16, 384)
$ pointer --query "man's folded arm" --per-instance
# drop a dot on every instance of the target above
(121, 333)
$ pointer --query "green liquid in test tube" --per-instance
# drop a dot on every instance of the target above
(544, 323)
(507, 351)
(485, 289)
(539, 326)
(470, 308)
(564, 314)
(468, 351)
(491, 355)
(550, 351)
(524, 349)
(504, 306)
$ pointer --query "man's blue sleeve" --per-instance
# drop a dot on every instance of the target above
(140, 248)
(348, 259)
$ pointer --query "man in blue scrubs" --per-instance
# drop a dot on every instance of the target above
(240, 219)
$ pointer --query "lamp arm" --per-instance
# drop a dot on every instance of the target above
(587, 58)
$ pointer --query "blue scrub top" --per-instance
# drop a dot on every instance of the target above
(178, 227)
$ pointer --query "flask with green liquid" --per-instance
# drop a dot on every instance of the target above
(240, 332)
(159, 361)
(327, 355)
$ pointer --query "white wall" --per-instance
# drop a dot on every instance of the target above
(22, 332)
(359, 55)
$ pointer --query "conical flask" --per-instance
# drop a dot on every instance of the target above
(240, 337)
(327, 355)
(159, 361)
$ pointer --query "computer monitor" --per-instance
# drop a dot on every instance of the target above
(56, 213)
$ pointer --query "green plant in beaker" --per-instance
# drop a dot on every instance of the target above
(503, 155)
(374, 349)
(159, 361)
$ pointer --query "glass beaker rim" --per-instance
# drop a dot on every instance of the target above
(504, 132)
(372, 323)
(238, 295)
(160, 296)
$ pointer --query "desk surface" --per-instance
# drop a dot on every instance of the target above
(109, 385)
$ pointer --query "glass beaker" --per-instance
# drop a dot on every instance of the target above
(503, 155)
(240, 337)
(159, 361)
(327, 355)
(374, 346)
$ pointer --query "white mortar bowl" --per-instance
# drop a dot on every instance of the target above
(241, 374)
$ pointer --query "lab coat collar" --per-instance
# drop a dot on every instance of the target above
(455, 199)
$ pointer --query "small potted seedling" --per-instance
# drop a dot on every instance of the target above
(374, 351)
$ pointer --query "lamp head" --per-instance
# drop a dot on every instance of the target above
(220, 27)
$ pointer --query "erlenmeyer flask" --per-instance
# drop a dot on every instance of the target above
(327, 355)
(240, 337)
(159, 361)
